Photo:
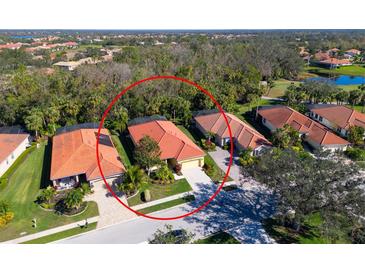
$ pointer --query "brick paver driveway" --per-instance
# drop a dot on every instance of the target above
(110, 210)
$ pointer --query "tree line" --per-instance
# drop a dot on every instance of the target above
(231, 71)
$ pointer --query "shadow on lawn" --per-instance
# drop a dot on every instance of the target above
(287, 235)
(45, 179)
(243, 209)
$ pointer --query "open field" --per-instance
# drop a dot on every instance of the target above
(160, 191)
(280, 87)
(354, 70)
(62, 235)
(21, 192)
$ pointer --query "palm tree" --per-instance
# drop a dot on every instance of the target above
(74, 199)
(47, 194)
(132, 180)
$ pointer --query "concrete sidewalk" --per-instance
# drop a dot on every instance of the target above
(163, 200)
(50, 231)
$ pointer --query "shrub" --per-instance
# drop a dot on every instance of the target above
(128, 188)
(207, 167)
(85, 188)
(207, 144)
(164, 174)
(246, 158)
(46, 195)
(147, 195)
(356, 154)
(2, 222)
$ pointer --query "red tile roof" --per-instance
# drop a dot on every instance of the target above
(9, 142)
(174, 144)
(281, 115)
(341, 116)
(335, 61)
(354, 51)
(74, 153)
(244, 134)
(11, 46)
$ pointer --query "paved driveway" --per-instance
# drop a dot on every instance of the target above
(197, 178)
(110, 210)
(239, 212)
(221, 157)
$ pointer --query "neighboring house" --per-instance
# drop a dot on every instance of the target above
(11, 46)
(243, 135)
(12, 145)
(315, 134)
(74, 157)
(175, 146)
(71, 65)
(327, 60)
(352, 52)
(337, 117)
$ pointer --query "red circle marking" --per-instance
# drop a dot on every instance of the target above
(116, 98)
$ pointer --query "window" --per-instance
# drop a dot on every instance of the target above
(316, 116)
(12, 156)
(320, 119)
(263, 120)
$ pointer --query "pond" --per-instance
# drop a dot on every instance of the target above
(340, 80)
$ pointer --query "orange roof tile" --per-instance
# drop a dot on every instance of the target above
(341, 116)
(280, 115)
(74, 153)
(9, 142)
(174, 144)
(244, 134)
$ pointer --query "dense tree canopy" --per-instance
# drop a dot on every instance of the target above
(305, 185)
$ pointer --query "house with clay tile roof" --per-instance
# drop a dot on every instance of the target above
(337, 117)
(175, 146)
(13, 142)
(243, 135)
(352, 52)
(315, 134)
(74, 157)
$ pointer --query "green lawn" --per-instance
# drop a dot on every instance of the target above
(354, 70)
(5, 177)
(309, 234)
(219, 238)
(280, 87)
(62, 235)
(243, 108)
(160, 191)
(358, 108)
(121, 150)
(168, 204)
(216, 174)
(21, 192)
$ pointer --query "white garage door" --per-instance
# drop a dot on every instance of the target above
(190, 164)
